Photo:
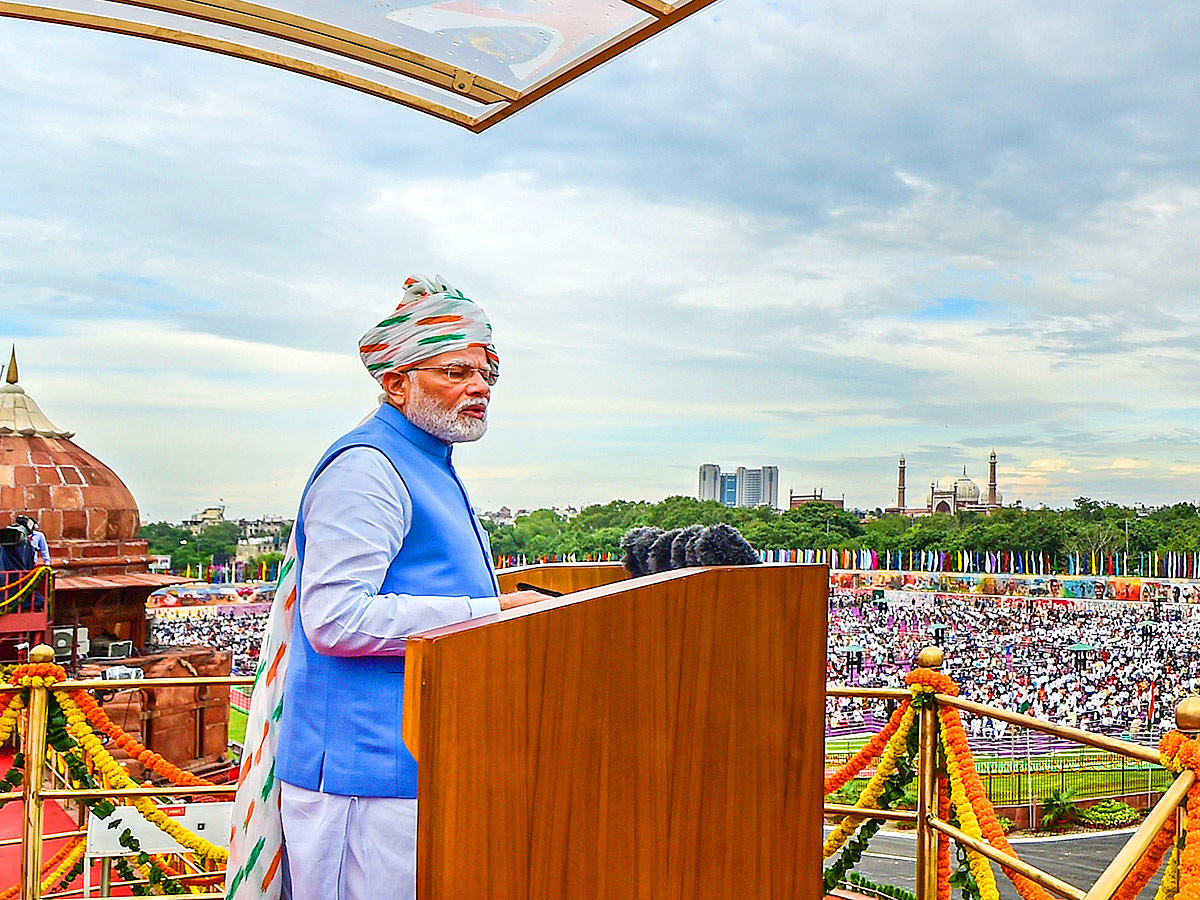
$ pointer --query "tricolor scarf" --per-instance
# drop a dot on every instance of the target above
(254, 871)
(432, 318)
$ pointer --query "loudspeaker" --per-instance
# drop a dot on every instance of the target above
(61, 641)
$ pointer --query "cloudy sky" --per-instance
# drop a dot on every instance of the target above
(810, 234)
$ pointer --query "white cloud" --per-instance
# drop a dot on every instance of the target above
(1125, 464)
(834, 252)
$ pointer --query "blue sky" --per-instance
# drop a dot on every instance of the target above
(798, 234)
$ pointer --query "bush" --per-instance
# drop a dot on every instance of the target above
(1006, 824)
(1059, 810)
(847, 794)
(1109, 814)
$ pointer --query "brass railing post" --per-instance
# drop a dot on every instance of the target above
(35, 762)
(927, 838)
(1187, 721)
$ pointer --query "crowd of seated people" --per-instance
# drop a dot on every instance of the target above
(240, 634)
(1013, 655)
(1016, 655)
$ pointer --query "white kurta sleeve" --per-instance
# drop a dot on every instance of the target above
(356, 516)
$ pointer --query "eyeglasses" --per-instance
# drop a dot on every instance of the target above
(457, 373)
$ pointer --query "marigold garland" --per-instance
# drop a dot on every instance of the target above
(8, 719)
(54, 863)
(17, 589)
(964, 806)
(955, 740)
(1189, 856)
(1178, 751)
(74, 853)
(79, 728)
(1169, 888)
(931, 681)
(200, 886)
(870, 795)
(1168, 749)
(943, 845)
(961, 789)
(99, 719)
(159, 862)
(83, 714)
(1139, 876)
(872, 750)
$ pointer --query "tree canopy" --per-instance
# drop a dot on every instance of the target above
(213, 546)
(1089, 526)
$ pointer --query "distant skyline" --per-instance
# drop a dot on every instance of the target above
(916, 493)
(815, 235)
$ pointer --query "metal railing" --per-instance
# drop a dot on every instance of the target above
(929, 825)
(24, 592)
(34, 794)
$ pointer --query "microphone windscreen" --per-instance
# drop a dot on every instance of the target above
(680, 544)
(636, 543)
(723, 545)
(660, 551)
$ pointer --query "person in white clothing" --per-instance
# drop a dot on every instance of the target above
(383, 501)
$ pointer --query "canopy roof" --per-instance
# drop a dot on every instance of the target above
(471, 62)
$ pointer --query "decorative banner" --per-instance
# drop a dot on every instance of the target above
(1082, 588)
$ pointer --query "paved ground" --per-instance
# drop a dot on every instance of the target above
(1078, 860)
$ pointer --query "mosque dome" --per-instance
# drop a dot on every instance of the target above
(966, 489)
(963, 489)
(88, 515)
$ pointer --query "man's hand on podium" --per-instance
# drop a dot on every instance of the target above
(520, 598)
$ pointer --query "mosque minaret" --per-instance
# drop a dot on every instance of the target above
(950, 496)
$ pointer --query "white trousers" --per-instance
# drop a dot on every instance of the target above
(349, 848)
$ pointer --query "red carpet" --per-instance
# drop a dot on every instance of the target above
(55, 820)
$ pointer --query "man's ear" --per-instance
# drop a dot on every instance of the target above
(395, 385)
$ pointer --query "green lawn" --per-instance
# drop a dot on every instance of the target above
(237, 726)
(1088, 772)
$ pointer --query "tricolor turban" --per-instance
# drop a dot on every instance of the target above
(432, 318)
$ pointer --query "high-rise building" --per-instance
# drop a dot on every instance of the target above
(729, 485)
(749, 486)
(745, 487)
(770, 486)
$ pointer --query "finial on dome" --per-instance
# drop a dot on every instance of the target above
(12, 366)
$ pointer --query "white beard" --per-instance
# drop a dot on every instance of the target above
(447, 425)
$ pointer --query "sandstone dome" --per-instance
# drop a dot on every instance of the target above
(88, 515)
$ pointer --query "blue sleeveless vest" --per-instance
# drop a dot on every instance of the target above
(341, 715)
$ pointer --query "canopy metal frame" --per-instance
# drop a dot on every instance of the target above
(346, 57)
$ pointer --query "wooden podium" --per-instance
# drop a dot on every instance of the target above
(659, 738)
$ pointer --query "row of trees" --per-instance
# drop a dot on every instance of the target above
(215, 546)
(1089, 527)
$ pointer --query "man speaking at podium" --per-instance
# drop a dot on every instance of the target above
(387, 545)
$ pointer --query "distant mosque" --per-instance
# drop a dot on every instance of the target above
(950, 496)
